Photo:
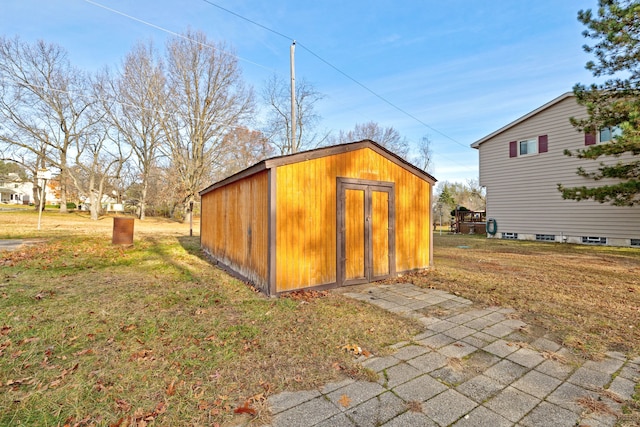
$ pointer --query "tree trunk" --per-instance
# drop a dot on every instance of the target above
(143, 199)
(94, 207)
(63, 182)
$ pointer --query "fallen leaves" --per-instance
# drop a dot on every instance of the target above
(142, 355)
(344, 401)
(140, 417)
(28, 340)
(306, 296)
(595, 406)
(128, 328)
(171, 388)
(550, 355)
(122, 405)
(356, 350)
(21, 381)
(245, 408)
(84, 352)
(4, 345)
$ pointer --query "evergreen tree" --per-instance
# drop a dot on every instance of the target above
(612, 104)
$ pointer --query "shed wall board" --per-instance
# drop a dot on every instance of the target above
(522, 192)
(237, 226)
(275, 223)
(306, 215)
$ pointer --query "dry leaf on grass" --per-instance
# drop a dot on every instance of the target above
(171, 388)
(123, 405)
(245, 409)
(356, 350)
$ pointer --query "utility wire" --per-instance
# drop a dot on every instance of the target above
(394, 106)
(371, 91)
(173, 33)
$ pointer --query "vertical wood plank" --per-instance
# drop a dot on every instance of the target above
(354, 234)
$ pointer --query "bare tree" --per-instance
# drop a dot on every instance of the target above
(245, 148)
(206, 97)
(388, 137)
(424, 159)
(138, 94)
(277, 96)
(99, 160)
(43, 103)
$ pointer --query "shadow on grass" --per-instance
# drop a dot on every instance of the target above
(191, 244)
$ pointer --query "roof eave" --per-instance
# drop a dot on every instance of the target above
(554, 101)
(318, 153)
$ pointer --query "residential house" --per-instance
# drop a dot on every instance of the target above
(14, 190)
(521, 165)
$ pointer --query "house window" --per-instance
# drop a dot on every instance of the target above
(594, 240)
(606, 134)
(609, 133)
(528, 146)
(546, 237)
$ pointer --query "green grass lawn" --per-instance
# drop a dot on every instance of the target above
(94, 334)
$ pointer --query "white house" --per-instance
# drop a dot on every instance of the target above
(521, 165)
(15, 191)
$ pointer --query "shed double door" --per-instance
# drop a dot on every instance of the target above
(366, 234)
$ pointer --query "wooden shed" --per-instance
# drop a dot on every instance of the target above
(334, 216)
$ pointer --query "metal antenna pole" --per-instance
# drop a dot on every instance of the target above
(293, 99)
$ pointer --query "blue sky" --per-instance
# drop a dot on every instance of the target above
(462, 68)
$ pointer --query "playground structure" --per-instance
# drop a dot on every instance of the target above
(469, 222)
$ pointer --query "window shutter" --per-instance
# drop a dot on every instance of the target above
(513, 149)
(543, 144)
(589, 139)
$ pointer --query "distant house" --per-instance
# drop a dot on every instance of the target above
(334, 216)
(521, 165)
(14, 190)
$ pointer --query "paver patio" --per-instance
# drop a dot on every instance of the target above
(470, 367)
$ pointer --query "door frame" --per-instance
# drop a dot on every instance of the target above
(368, 186)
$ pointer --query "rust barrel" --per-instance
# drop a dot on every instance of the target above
(122, 231)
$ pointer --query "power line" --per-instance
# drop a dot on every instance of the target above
(173, 33)
(377, 95)
(382, 98)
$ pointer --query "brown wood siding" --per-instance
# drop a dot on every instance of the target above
(306, 215)
(235, 231)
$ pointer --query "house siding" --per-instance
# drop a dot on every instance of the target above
(522, 194)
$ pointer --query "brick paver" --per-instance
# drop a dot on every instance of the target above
(469, 367)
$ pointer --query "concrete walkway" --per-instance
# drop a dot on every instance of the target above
(15, 244)
(470, 367)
